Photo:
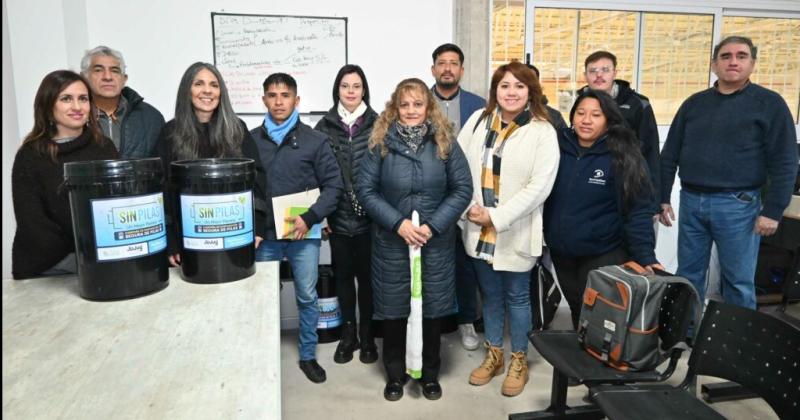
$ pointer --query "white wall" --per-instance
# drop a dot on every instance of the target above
(10, 143)
(160, 39)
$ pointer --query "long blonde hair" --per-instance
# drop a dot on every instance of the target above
(441, 125)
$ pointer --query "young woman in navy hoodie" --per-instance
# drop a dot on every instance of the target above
(599, 212)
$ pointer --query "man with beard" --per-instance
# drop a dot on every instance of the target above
(458, 105)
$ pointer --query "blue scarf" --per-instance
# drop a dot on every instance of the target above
(278, 131)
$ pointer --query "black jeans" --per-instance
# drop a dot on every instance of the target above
(572, 272)
(466, 284)
(394, 348)
(351, 260)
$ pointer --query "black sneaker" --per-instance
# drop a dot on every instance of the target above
(478, 325)
(347, 345)
(431, 390)
(393, 390)
(369, 352)
(314, 372)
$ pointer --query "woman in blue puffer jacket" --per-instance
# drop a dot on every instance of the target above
(413, 163)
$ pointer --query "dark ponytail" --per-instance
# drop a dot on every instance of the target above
(627, 159)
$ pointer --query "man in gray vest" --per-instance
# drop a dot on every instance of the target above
(125, 118)
(458, 105)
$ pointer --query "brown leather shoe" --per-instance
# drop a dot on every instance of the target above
(517, 375)
(492, 366)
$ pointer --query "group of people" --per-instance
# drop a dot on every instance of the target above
(493, 182)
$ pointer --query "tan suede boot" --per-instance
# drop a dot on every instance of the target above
(492, 366)
(517, 375)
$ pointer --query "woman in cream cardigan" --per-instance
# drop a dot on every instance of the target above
(513, 155)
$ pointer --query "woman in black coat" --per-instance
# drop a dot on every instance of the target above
(413, 163)
(65, 130)
(348, 126)
(205, 127)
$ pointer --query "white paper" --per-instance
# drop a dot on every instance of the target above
(294, 204)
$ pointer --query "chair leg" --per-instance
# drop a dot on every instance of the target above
(558, 408)
(725, 391)
(558, 392)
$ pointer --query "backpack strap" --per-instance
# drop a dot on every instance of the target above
(635, 267)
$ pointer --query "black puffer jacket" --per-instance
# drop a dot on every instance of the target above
(141, 127)
(349, 151)
(390, 188)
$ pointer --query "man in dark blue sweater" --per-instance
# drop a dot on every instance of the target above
(730, 142)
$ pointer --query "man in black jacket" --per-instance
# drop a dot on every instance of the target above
(296, 159)
(600, 70)
(132, 124)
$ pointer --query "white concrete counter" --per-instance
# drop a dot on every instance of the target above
(190, 351)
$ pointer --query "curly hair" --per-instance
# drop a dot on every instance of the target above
(443, 129)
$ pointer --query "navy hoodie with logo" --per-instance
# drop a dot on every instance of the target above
(583, 215)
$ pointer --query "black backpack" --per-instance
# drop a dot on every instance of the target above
(545, 297)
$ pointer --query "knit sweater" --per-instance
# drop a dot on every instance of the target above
(739, 141)
(44, 224)
(529, 168)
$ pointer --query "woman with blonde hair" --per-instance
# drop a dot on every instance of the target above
(413, 164)
(513, 155)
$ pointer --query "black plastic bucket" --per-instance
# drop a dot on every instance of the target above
(329, 326)
(118, 219)
(214, 218)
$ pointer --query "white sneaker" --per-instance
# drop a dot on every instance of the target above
(469, 338)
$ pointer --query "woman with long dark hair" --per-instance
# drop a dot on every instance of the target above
(413, 164)
(513, 157)
(599, 212)
(205, 126)
(65, 130)
(348, 125)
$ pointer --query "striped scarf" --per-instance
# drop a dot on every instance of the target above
(496, 136)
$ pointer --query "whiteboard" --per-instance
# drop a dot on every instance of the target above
(248, 48)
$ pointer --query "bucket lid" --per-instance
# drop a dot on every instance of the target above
(93, 170)
(213, 168)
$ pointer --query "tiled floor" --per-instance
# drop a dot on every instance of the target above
(355, 390)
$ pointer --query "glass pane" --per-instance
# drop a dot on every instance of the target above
(555, 33)
(610, 31)
(563, 38)
(508, 32)
(777, 64)
(675, 60)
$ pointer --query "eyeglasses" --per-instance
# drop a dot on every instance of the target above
(599, 70)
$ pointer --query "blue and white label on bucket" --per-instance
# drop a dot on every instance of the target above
(330, 315)
(217, 222)
(129, 227)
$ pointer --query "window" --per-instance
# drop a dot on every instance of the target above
(777, 63)
(508, 32)
(673, 50)
(676, 52)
